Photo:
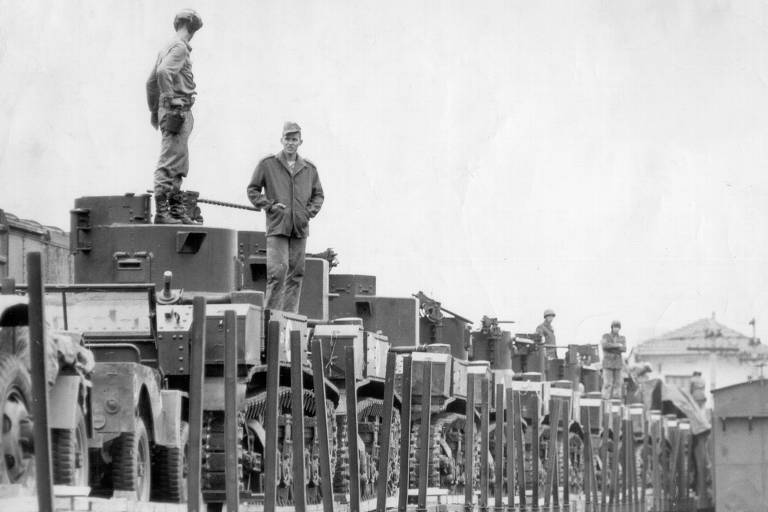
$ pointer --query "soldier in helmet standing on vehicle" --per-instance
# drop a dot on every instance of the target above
(288, 188)
(170, 96)
(614, 345)
(547, 332)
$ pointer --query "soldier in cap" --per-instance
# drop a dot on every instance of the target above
(547, 333)
(614, 345)
(288, 188)
(170, 96)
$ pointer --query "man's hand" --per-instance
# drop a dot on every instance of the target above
(153, 120)
(177, 102)
(276, 205)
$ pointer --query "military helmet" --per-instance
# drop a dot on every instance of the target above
(191, 17)
(549, 312)
(615, 323)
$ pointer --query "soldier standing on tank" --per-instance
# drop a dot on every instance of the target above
(292, 194)
(698, 389)
(547, 332)
(614, 345)
(170, 96)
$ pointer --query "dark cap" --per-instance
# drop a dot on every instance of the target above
(291, 127)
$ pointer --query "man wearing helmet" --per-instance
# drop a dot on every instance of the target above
(547, 333)
(614, 345)
(170, 96)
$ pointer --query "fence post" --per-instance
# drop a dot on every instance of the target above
(297, 416)
(498, 456)
(517, 417)
(232, 480)
(321, 418)
(405, 434)
(271, 414)
(425, 441)
(389, 406)
(37, 354)
(354, 458)
(511, 439)
(469, 444)
(196, 378)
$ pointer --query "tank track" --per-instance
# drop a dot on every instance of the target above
(446, 461)
(370, 412)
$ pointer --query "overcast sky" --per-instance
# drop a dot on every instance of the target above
(603, 158)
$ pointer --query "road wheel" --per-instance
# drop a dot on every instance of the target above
(70, 454)
(17, 464)
(172, 467)
(131, 462)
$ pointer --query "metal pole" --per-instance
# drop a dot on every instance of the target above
(270, 416)
(469, 445)
(389, 406)
(37, 354)
(232, 480)
(405, 434)
(425, 441)
(321, 418)
(196, 378)
(354, 457)
(297, 417)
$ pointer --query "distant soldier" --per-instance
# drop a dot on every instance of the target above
(547, 332)
(292, 194)
(170, 96)
(698, 389)
(614, 345)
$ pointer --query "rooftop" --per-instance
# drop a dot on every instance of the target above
(704, 335)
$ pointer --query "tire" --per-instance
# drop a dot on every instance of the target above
(171, 469)
(69, 454)
(131, 465)
(17, 459)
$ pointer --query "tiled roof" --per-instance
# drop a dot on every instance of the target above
(705, 335)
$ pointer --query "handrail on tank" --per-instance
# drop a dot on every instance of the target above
(106, 287)
(408, 349)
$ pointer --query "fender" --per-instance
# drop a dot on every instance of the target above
(117, 389)
(168, 424)
(63, 402)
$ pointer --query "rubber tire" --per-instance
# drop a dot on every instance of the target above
(172, 467)
(128, 471)
(14, 378)
(69, 454)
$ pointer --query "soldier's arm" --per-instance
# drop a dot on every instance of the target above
(317, 198)
(169, 66)
(255, 187)
(153, 92)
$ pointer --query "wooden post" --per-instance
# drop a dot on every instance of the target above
(231, 477)
(389, 406)
(321, 418)
(425, 441)
(405, 434)
(270, 415)
(469, 445)
(535, 451)
(484, 441)
(511, 439)
(498, 456)
(196, 378)
(354, 457)
(37, 355)
(550, 485)
(517, 417)
(297, 416)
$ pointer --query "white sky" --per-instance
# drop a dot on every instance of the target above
(603, 158)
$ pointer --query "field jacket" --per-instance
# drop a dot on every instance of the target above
(300, 191)
(613, 346)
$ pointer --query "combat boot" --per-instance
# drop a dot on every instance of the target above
(163, 211)
(178, 210)
(190, 205)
